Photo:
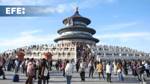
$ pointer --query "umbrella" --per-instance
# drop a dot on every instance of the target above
(47, 56)
(20, 55)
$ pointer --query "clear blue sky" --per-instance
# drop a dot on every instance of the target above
(117, 22)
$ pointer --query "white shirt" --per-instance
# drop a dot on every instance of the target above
(108, 68)
(69, 69)
(146, 66)
(83, 65)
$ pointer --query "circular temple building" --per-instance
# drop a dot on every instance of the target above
(76, 32)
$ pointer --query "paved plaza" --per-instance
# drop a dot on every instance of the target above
(57, 78)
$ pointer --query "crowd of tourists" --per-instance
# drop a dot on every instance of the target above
(39, 69)
(86, 64)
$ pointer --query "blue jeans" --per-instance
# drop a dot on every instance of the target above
(68, 79)
(120, 76)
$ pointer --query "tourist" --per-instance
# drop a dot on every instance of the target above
(119, 71)
(60, 64)
(108, 71)
(125, 67)
(68, 71)
(26, 64)
(4, 63)
(17, 65)
(91, 68)
(147, 68)
(41, 72)
(77, 65)
(22, 66)
(99, 68)
(82, 70)
(115, 68)
(140, 71)
(134, 68)
(20, 58)
(63, 67)
(10, 64)
(30, 72)
(1, 67)
(57, 65)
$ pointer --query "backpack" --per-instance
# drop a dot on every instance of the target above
(16, 78)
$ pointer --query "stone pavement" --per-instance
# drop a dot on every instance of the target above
(57, 78)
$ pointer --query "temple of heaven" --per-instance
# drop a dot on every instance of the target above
(76, 30)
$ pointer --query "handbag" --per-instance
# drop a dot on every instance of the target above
(119, 70)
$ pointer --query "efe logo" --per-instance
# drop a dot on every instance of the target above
(15, 10)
